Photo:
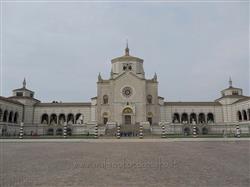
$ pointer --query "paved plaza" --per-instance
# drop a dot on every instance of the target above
(125, 163)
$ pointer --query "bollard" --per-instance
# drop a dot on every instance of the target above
(194, 132)
(65, 130)
(21, 131)
(118, 133)
(238, 131)
(96, 131)
(141, 132)
(163, 133)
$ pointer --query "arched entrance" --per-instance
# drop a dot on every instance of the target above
(127, 113)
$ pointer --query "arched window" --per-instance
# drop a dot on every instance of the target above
(244, 113)
(16, 117)
(184, 118)
(149, 99)
(5, 116)
(1, 114)
(79, 118)
(70, 119)
(53, 119)
(45, 119)
(201, 118)
(105, 99)
(239, 116)
(10, 117)
(176, 118)
(210, 118)
(62, 119)
(193, 118)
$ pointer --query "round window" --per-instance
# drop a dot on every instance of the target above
(127, 91)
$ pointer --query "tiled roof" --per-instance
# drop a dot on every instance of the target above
(62, 104)
(242, 100)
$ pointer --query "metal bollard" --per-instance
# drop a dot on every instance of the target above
(65, 130)
(96, 131)
(21, 131)
(141, 132)
(163, 133)
(194, 132)
(118, 133)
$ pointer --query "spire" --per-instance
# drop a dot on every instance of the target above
(127, 49)
(230, 82)
(99, 77)
(24, 83)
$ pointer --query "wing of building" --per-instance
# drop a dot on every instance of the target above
(127, 98)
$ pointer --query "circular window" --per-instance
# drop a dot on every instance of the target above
(127, 91)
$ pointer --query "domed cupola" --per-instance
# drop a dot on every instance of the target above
(127, 63)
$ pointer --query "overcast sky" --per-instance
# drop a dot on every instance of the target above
(61, 47)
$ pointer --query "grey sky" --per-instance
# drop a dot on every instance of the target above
(61, 47)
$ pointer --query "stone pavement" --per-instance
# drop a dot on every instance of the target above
(125, 162)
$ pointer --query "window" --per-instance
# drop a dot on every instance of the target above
(19, 94)
(235, 93)
(105, 99)
(149, 99)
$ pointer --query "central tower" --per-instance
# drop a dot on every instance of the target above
(127, 97)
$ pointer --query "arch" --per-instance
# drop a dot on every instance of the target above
(62, 119)
(239, 116)
(59, 131)
(16, 116)
(79, 118)
(1, 114)
(45, 119)
(248, 111)
(10, 120)
(176, 118)
(105, 99)
(149, 99)
(204, 130)
(150, 117)
(244, 115)
(210, 118)
(5, 116)
(70, 119)
(53, 119)
(127, 110)
(105, 118)
(50, 131)
(186, 131)
(201, 118)
(193, 118)
(184, 118)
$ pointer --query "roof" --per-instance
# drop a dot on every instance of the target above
(10, 101)
(192, 103)
(62, 104)
(231, 87)
(231, 96)
(242, 100)
(24, 97)
(127, 58)
(23, 89)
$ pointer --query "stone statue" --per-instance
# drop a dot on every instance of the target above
(79, 120)
(45, 121)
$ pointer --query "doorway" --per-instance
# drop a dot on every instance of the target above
(127, 119)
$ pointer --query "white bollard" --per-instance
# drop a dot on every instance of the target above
(118, 133)
(238, 131)
(65, 130)
(194, 132)
(141, 132)
(21, 131)
(163, 133)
